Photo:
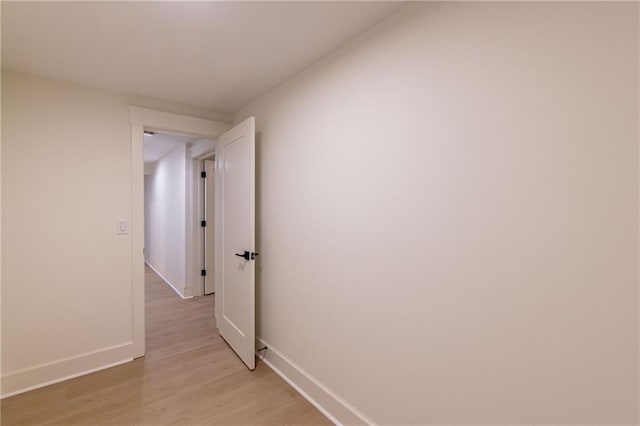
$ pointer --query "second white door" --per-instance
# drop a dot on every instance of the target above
(209, 230)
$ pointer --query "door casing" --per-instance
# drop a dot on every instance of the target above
(141, 119)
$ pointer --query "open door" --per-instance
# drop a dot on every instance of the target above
(208, 230)
(235, 239)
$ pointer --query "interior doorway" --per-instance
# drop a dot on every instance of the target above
(235, 254)
(166, 182)
(206, 132)
(173, 164)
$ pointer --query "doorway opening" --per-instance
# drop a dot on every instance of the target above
(234, 235)
(142, 119)
(166, 207)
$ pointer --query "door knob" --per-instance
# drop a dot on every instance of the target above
(246, 255)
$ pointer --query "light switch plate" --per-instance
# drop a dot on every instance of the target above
(123, 227)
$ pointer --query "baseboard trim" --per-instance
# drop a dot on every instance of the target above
(187, 289)
(31, 378)
(336, 409)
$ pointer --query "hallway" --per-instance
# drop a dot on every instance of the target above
(188, 376)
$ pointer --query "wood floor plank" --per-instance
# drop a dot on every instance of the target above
(189, 376)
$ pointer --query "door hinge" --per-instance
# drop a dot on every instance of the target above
(203, 272)
(203, 223)
(203, 175)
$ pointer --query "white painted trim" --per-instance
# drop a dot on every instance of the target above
(169, 282)
(168, 121)
(42, 375)
(159, 120)
(335, 408)
(64, 379)
(137, 240)
(638, 123)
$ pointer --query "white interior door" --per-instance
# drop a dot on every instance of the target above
(235, 239)
(209, 230)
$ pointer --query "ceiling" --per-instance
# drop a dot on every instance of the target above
(160, 144)
(214, 55)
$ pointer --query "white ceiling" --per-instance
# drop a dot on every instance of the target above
(160, 144)
(213, 55)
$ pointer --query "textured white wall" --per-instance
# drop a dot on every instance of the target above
(448, 216)
(165, 206)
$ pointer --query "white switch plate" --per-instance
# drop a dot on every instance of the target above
(123, 227)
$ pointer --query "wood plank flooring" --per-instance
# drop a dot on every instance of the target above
(188, 376)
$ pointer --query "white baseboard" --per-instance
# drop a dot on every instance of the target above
(47, 374)
(336, 409)
(188, 293)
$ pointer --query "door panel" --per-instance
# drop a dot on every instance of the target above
(235, 230)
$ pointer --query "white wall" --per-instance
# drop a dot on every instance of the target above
(448, 217)
(165, 219)
(66, 275)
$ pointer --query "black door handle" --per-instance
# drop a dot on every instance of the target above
(247, 255)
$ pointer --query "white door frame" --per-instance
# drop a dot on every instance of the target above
(163, 121)
(200, 150)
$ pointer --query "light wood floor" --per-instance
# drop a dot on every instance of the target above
(189, 376)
